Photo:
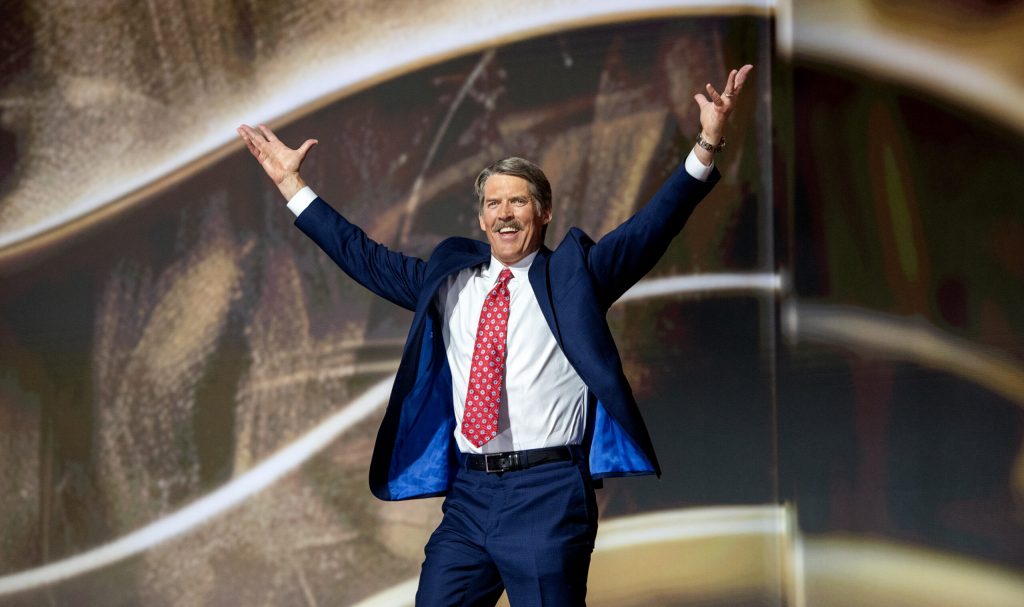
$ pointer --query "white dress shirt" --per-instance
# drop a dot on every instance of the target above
(544, 400)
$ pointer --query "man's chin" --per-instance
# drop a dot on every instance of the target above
(509, 252)
(507, 255)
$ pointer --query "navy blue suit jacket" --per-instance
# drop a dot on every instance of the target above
(575, 284)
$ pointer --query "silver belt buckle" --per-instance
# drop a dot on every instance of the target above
(503, 462)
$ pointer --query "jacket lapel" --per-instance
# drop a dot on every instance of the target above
(539, 282)
(466, 254)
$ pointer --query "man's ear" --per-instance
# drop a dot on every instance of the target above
(483, 226)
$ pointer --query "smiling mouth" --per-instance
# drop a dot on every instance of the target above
(507, 227)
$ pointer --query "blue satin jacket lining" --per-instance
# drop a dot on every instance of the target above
(423, 461)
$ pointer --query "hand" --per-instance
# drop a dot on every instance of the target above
(280, 162)
(714, 112)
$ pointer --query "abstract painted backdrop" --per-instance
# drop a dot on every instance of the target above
(829, 356)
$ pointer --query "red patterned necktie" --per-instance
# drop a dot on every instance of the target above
(487, 371)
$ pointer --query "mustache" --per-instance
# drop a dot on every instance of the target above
(501, 224)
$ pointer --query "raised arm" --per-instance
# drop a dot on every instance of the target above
(389, 274)
(629, 251)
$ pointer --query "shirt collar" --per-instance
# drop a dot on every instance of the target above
(519, 269)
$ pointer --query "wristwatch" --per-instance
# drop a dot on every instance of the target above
(707, 146)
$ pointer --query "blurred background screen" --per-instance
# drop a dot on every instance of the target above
(829, 357)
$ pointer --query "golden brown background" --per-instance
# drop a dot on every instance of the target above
(843, 428)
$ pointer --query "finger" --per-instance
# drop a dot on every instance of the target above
(729, 82)
(252, 147)
(741, 76)
(250, 135)
(248, 140)
(701, 100)
(267, 133)
(715, 97)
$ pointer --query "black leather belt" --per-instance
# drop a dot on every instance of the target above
(516, 460)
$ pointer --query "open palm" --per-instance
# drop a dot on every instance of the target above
(280, 162)
(715, 111)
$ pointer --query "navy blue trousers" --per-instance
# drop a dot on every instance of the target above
(530, 532)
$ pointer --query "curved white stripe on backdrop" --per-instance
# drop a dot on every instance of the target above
(667, 528)
(907, 338)
(755, 549)
(206, 508)
(297, 91)
(260, 477)
(704, 283)
(947, 72)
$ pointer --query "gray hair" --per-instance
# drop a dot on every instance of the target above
(540, 189)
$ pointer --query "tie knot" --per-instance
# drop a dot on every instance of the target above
(505, 276)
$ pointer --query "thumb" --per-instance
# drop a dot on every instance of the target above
(701, 100)
(306, 145)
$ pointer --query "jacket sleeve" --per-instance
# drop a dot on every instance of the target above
(627, 253)
(389, 274)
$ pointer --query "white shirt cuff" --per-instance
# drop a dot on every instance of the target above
(696, 168)
(306, 195)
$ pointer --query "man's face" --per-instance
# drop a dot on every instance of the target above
(509, 217)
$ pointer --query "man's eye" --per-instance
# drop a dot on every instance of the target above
(519, 202)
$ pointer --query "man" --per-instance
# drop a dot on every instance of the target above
(510, 398)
